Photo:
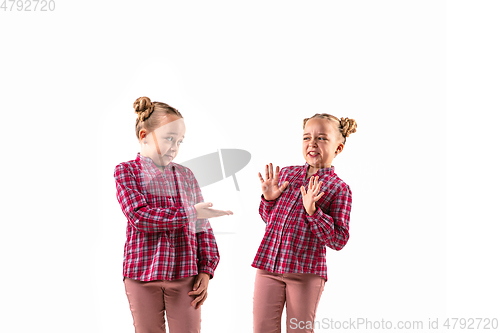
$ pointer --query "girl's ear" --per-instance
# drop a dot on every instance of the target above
(340, 148)
(142, 136)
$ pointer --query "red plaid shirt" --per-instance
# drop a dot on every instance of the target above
(294, 241)
(165, 241)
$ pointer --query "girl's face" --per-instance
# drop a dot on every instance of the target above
(321, 143)
(168, 139)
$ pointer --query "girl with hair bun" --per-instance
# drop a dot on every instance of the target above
(305, 208)
(170, 252)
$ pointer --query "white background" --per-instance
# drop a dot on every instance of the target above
(421, 78)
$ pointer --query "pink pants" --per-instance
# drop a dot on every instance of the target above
(300, 291)
(150, 300)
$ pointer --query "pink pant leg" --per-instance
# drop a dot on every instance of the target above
(181, 316)
(146, 304)
(268, 302)
(303, 292)
(149, 301)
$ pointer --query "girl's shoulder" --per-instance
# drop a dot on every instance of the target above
(292, 169)
(292, 173)
(335, 184)
(183, 171)
(125, 166)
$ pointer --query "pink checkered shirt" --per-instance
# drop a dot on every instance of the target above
(165, 241)
(294, 241)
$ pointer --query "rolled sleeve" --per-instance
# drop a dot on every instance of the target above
(140, 214)
(265, 208)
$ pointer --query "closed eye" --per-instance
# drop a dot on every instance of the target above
(320, 138)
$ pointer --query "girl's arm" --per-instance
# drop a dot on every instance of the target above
(139, 214)
(333, 229)
(265, 207)
(207, 251)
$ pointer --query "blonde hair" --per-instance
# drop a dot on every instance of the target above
(151, 114)
(345, 126)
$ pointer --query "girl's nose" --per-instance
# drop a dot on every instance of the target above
(172, 147)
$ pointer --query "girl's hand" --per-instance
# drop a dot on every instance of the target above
(200, 287)
(310, 196)
(204, 212)
(270, 188)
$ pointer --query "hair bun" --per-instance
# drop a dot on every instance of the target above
(143, 107)
(347, 126)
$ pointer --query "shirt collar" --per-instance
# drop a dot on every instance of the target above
(148, 164)
(330, 170)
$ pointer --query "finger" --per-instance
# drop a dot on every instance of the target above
(261, 179)
(271, 174)
(196, 300)
(225, 212)
(203, 300)
(195, 292)
(317, 187)
(197, 282)
(276, 176)
(216, 213)
(283, 186)
(303, 190)
(319, 196)
(267, 172)
(206, 204)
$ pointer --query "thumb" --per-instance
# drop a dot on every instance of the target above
(284, 186)
(206, 205)
(196, 282)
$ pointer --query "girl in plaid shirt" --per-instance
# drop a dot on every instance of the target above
(170, 252)
(300, 222)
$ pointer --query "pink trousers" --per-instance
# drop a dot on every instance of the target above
(300, 291)
(149, 301)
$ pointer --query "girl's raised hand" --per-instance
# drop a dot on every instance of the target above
(203, 211)
(270, 188)
(310, 196)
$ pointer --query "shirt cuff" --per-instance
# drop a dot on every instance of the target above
(270, 202)
(206, 269)
(190, 214)
(314, 217)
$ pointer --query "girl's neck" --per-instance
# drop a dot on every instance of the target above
(312, 170)
(161, 167)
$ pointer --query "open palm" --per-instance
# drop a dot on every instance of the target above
(310, 195)
(270, 188)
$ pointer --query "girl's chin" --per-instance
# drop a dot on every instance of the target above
(311, 160)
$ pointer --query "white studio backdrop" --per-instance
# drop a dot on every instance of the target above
(419, 77)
